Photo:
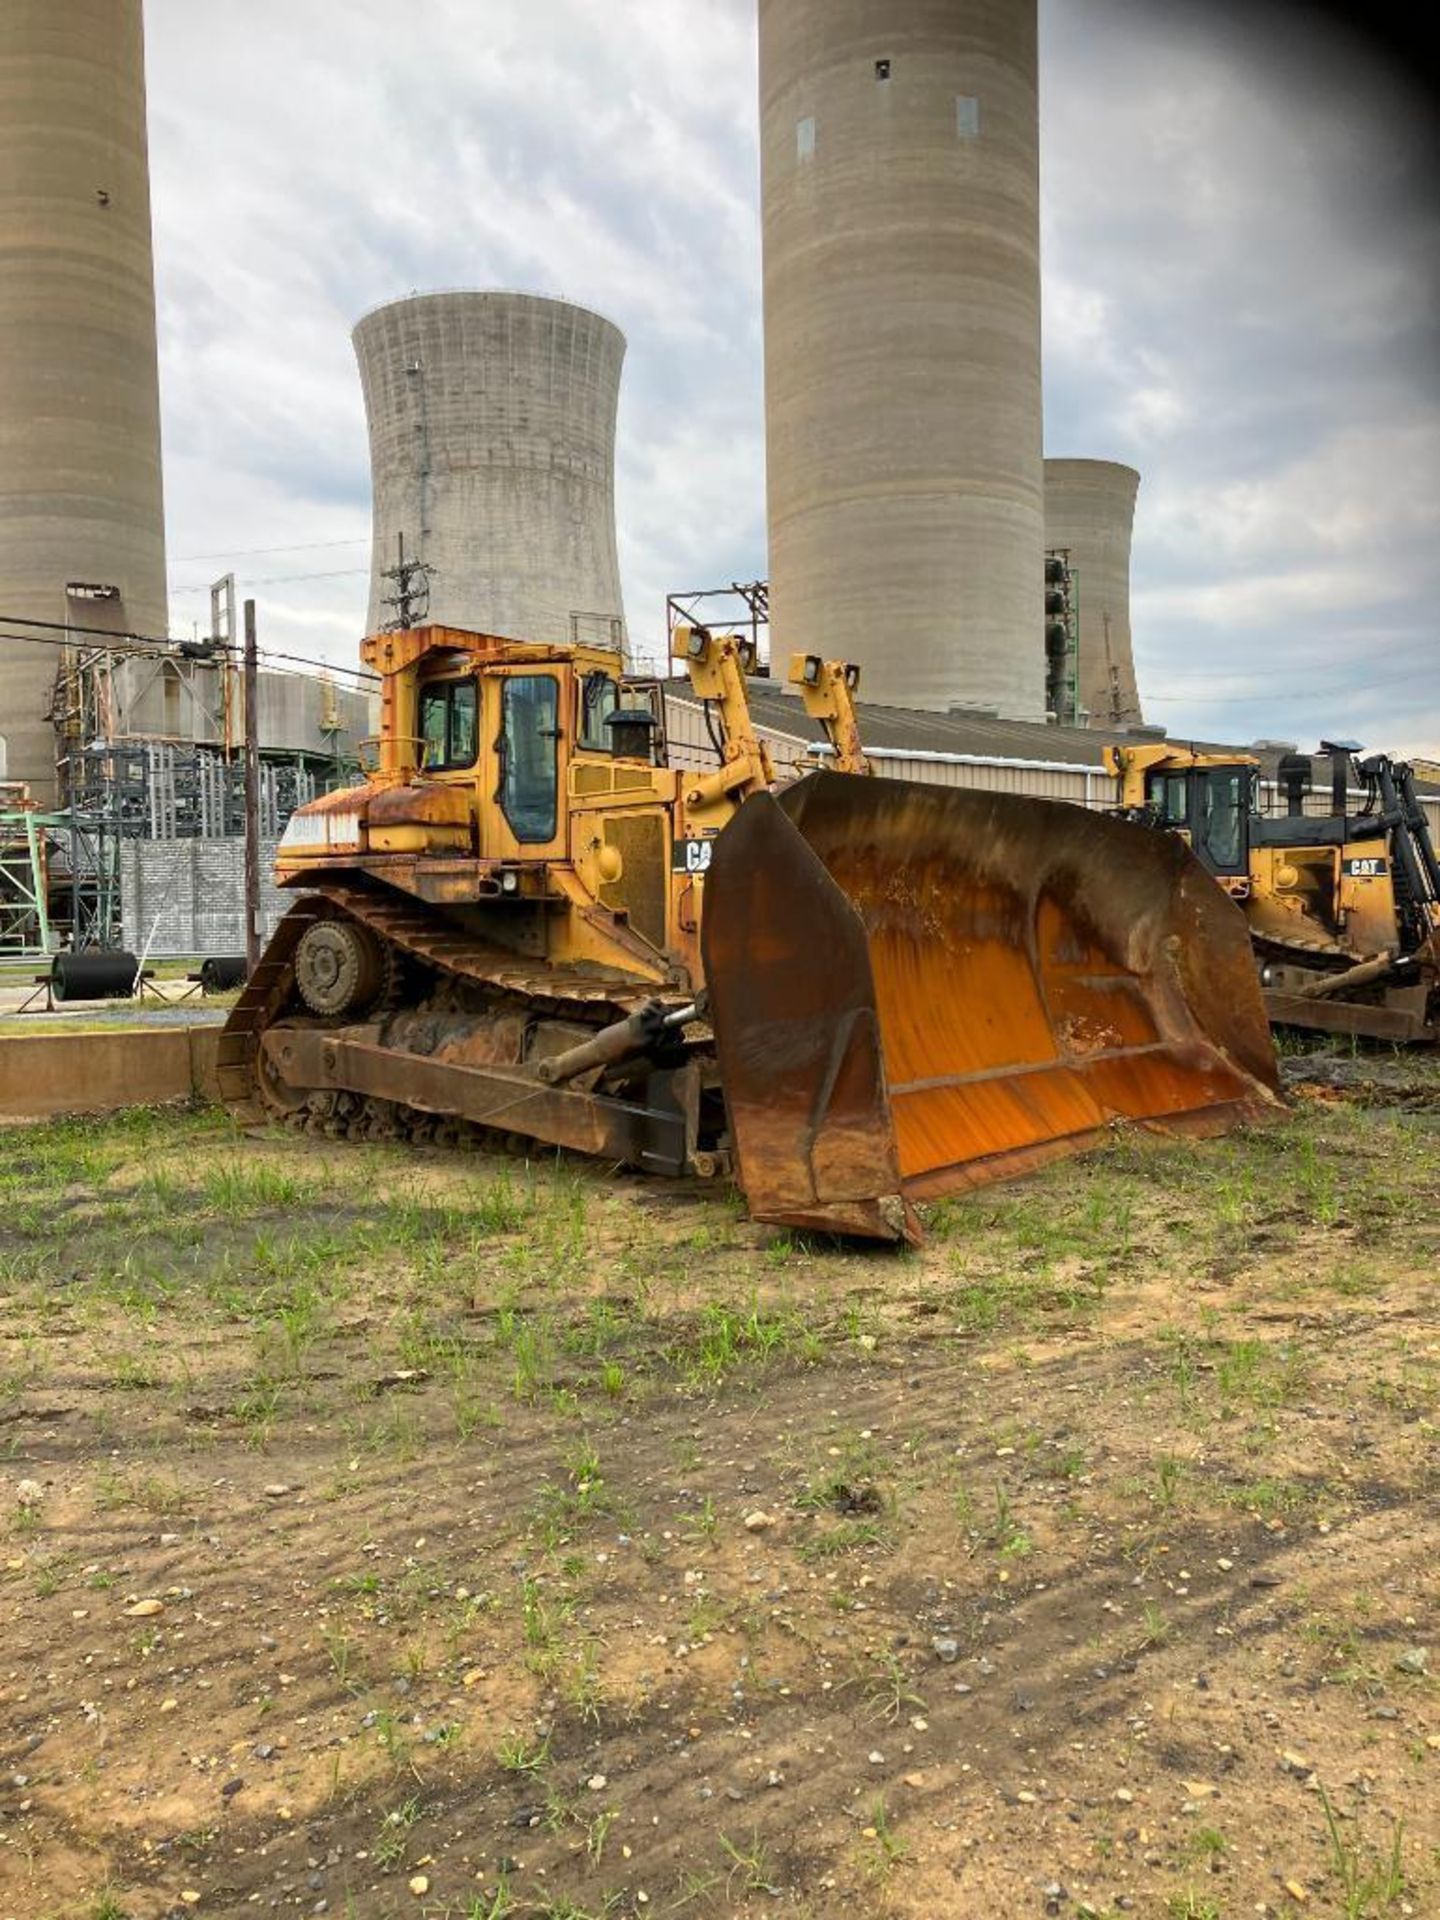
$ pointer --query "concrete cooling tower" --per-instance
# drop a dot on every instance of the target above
(1090, 509)
(900, 208)
(80, 489)
(492, 451)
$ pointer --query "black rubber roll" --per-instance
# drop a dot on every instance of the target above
(93, 976)
(222, 972)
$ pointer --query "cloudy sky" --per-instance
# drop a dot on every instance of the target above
(1242, 299)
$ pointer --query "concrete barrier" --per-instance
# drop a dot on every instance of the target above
(49, 1073)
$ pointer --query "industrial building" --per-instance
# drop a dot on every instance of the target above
(82, 529)
(492, 457)
(148, 803)
(1089, 514)
(901, 235)
(982, 751)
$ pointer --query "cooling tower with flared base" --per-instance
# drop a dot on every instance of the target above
(1090, 509)
(80, 488)
(900, 208)
(492, 452)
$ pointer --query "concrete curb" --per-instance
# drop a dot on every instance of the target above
(49, 1073)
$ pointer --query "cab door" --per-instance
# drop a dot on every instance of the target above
(525, 758)
(1220, 819)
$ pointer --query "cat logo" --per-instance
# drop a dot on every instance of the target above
(1370, 867)
(692, 856)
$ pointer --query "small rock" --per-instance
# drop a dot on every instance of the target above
(191, 1896)
(1292, 1762)
(527, 1816)
(914, 1779)
(1296, 1892)
(597, 1783)
(231, 1788)
(419, 1883)
(29, 1493)
(947, 1651)
(877, 1759)
(1124, 1796)
(169, 1539)
(758, 1521)
(1413, 1660)
(1197, 1789)
(144, 1609)
(169, 1706)
(276, 1490)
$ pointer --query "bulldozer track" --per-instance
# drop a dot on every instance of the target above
(584, 992)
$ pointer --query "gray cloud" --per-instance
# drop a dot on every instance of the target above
(1241, 267)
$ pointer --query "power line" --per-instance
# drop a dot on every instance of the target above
(146, 645)
(1292, 694)
(277, 579)
(246, 553)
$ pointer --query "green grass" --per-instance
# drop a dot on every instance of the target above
(1371, 1882)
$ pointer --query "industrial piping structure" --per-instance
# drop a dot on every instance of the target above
(900, 207)
(82, 532)
(492, 453)
(1089, 513)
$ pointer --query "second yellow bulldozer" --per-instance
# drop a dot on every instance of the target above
(850, 993)
(1342, 901)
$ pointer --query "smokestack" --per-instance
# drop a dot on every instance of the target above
(1090, 509)
(900, 205)
(80, 486)
(492, 451)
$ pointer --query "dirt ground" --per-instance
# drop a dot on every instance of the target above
(387, 1532)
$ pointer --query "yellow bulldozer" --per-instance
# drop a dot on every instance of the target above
(849, 993)
(1343, 906)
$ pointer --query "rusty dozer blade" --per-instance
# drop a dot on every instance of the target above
(918, 989)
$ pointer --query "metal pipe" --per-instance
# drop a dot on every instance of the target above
(1351, 977)
(634, 1035)
(94, 976)
(252, 794)
(222, 972)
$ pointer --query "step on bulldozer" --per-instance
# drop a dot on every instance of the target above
(1343, 906)
(848, 993)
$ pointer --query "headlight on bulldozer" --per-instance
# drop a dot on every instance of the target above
(321, 831)
(510, 881)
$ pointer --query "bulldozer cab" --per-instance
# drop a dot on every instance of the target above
(1211, 806)
(525, 741)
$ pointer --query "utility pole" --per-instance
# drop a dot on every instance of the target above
(252, 794)
(411, 598)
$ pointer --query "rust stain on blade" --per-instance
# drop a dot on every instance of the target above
(1029, 972)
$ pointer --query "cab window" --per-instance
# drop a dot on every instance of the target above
(599, 698)
(529, 773)
(1167, 794)
(447, 724)
(1222, 807)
